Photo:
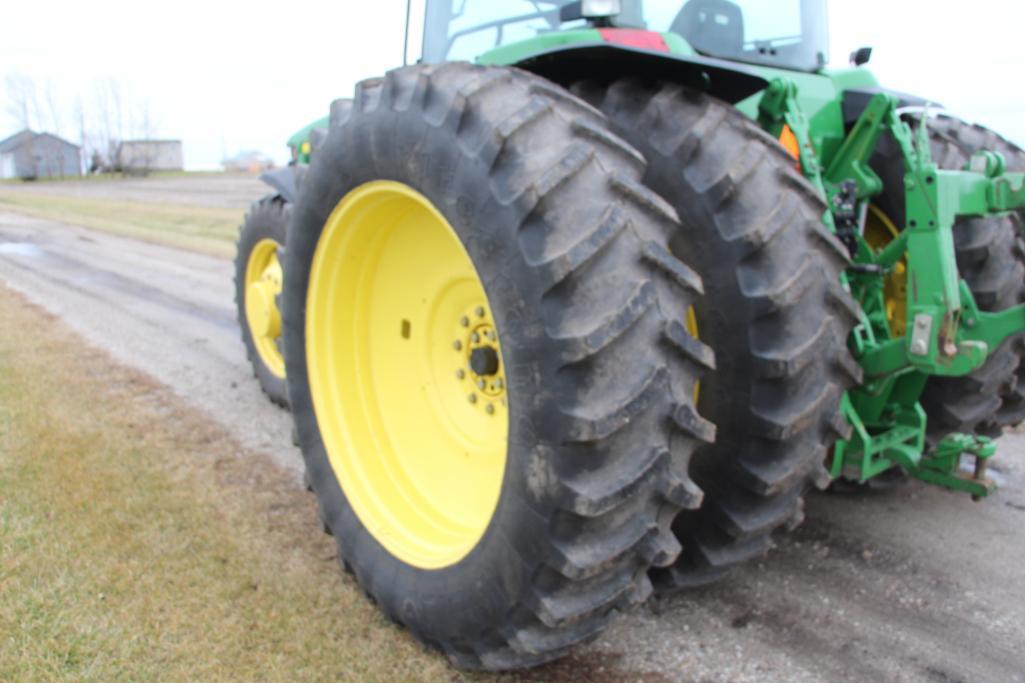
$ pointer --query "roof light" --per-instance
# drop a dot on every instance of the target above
(595, 9)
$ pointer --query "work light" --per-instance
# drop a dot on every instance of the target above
(596, 9)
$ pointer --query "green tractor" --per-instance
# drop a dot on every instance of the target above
(579, 305)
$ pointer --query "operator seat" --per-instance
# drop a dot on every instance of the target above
(713, 26)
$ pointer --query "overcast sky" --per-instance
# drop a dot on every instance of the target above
(226, 76)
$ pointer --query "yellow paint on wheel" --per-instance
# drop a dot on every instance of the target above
(880, 231)
(406, 375)
(263, 285)
(692, 327)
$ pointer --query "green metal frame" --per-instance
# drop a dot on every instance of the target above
(947, 334)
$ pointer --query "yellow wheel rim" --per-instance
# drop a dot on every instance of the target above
(406, 375)
(263, 285)
(880, 231)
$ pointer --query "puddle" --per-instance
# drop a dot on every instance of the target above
(20, 249)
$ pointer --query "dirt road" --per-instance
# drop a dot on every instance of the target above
(914, 584)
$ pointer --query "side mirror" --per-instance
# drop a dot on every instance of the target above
(861, 56)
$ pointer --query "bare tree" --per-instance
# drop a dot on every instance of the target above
(23, 107)
(55, 127)
(22, 101)
(85, 146)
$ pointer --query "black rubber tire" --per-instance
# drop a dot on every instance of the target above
(573, 254)
(267, 218)
(991, 259)
(774, 312)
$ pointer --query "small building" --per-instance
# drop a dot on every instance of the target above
(30, 155)
(143, 156)
(249, 161)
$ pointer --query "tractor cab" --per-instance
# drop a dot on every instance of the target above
(787, 34)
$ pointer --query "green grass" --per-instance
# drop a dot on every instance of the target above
(101, 177)
(208, 230)
(138, 542)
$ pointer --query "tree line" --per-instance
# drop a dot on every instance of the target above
(98, 121)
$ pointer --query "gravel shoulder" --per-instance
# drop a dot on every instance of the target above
(912, 584)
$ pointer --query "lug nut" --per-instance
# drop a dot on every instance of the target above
(464, 321)
(457, 345)
(473, 398)
(481, 384)
(491, 335)
(479, 311)
(490, 409)
(498, 384)
(460, 373)
(475, 337)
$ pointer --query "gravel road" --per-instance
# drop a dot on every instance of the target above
(912, 584)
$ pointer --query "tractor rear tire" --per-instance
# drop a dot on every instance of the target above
(774, 312)
(570, 252)
(991, 259)
(262, 236)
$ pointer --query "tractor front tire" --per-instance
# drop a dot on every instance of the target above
(491, 385)
(774, 312)
(258, 282)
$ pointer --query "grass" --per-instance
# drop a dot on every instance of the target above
(100, 177)
(137, 541)
(208, 230)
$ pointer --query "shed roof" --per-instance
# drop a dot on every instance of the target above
(18, 139)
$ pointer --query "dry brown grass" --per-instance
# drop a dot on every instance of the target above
(138, 543)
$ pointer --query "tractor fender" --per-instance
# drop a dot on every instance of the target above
(286, 180)
(855, 100)
(568, 64)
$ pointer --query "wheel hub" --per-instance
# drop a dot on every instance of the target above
(262, 310)
(480, 360)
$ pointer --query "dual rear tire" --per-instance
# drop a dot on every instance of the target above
(492, 389)
(774, 312)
